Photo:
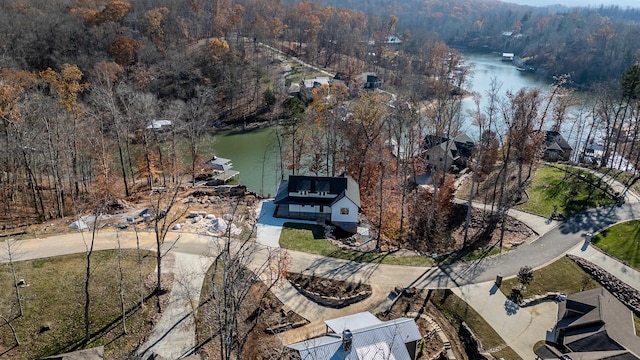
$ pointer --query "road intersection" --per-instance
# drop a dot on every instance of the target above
(470, 280)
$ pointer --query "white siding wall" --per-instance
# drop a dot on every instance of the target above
(309, 209)
(344, 203)
(313, 195)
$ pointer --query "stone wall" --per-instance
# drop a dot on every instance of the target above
(623, 292)
(334, 302)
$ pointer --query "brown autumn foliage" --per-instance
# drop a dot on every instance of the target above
(429, 219)
(123, 50)
(154, 25)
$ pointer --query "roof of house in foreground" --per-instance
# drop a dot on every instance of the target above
(596, 325)
(381, 340)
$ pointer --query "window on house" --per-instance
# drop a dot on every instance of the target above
(344, 211)
(440, 159)
(427, 157)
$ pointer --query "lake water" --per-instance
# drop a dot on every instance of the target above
(254, 153)
(485, 68)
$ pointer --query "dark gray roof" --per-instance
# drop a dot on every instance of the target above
(556, 137)
(595, 321)
(341, 186)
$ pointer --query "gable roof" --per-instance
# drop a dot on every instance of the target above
(595, 321)
(383, 340)
(462, 143)
(555, 137)
(159, 124)
(341, 186)
(352, 322)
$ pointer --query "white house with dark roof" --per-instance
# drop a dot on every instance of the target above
(335, 199)
(362, 336)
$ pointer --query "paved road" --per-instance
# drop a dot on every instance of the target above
(383, 278)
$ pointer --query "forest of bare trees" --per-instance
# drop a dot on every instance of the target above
(82, 80)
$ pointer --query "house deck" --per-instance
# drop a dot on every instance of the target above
(225, 176)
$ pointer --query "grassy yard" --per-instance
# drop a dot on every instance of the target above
(310, 238)
(569, 192)
(621, 241)
(458, 311)
(561, 276)
(55, 297)
(623, 177)
(301, 72)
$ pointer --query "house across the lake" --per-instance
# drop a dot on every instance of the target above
(159, 125)
(332, 199)
(507, 56)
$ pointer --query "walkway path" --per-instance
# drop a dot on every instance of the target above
(174, 336)
(472, 281)
(520, 328)
(617, 186)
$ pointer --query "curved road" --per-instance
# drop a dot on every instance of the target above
(383, 278)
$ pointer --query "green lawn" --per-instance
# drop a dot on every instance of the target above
(458, 311)
(569, 191)
(301, 72)
(561, 276)
(621, 241)
(310, 239)
(55, 296)
(623, 177)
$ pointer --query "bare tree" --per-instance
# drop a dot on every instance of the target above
(12, 247)
(234, 302)
(121, 286)
(163, 214)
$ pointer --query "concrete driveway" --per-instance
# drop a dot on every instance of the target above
(269, 228)
(520, 328)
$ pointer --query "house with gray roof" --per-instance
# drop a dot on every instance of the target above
(556, 147)
(442, 152)
(361, 336)
(334, 199)
(593, 325)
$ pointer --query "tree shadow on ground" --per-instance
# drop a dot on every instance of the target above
(79, 344)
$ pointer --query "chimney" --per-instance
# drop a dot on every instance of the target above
(347, 340)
